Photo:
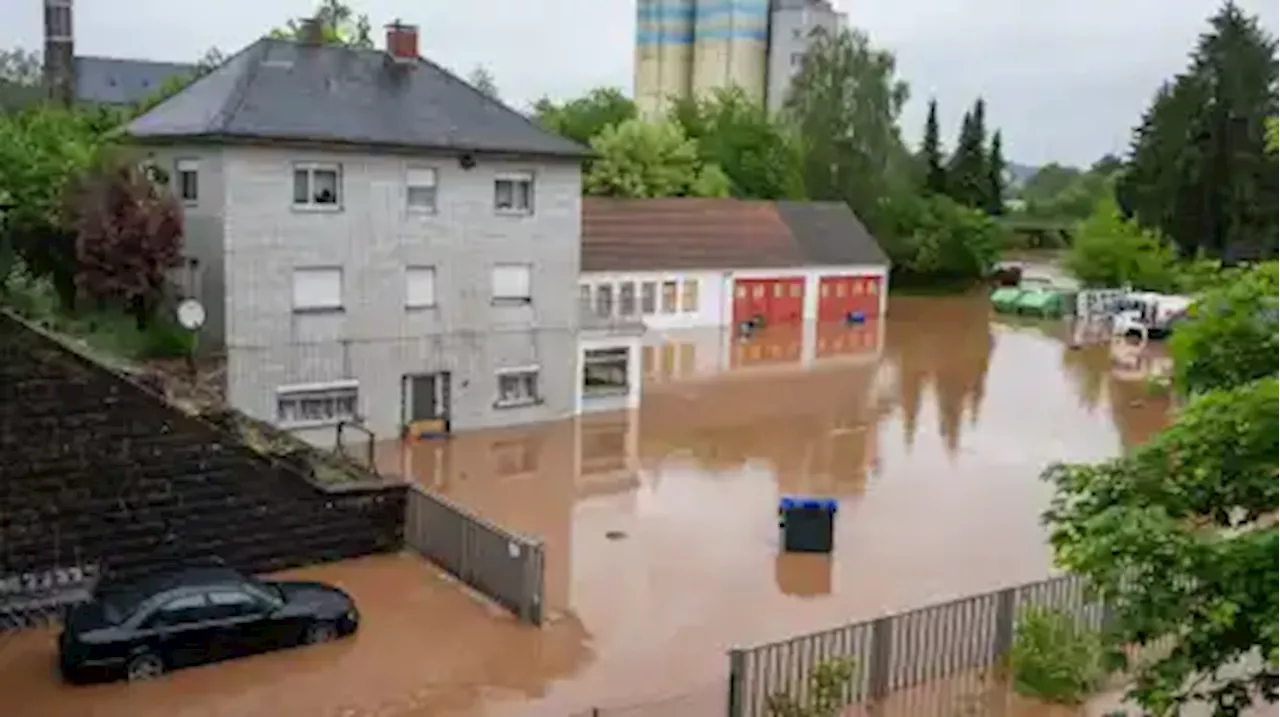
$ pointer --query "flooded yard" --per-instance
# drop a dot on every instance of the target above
(661, 525)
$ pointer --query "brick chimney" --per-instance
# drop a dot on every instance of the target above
(402, 42)
(59, 52)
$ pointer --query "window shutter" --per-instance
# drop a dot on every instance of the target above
(422, 177)
(317, 288)
(511, 281)
(420, 286)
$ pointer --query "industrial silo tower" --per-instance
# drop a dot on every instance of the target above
(664, 53)
(731, 46)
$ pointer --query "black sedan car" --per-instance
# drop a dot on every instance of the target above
(190, 616)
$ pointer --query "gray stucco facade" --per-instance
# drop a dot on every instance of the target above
(374, 340)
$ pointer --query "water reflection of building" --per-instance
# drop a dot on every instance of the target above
(817, 429)
(943, 347)
(693, 354)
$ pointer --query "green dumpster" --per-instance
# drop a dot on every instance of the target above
(1005, 299)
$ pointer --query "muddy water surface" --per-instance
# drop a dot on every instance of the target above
(661, 529)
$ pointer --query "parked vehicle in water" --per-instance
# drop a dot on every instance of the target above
(1149, 315)
(145, 627)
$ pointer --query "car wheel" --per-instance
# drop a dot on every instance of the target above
(145, 666)
(318, 632)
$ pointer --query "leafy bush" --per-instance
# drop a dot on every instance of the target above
(164, 338)
(828, 684)
(1054, 659)
(1231, 335)
(1111, 251)
(935, 240)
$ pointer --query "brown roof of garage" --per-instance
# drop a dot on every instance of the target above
(682, 233)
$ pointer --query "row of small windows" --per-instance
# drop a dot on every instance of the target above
(340, 400)
(319, 186)
(620, 299)
(319, 288)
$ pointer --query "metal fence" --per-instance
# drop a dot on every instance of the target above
(35, 599)
(902, 651)
(505, 567)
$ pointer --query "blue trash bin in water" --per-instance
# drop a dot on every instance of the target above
(807, 524)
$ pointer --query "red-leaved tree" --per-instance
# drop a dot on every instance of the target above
(128, 235)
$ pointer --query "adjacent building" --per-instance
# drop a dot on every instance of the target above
(375, 240)
(808, 274)
(690, 48)
(97, 80)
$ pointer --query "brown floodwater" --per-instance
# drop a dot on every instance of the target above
(661, 528)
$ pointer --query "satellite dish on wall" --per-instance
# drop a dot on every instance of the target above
(190, 314)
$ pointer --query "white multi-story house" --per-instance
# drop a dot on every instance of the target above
(374, 239)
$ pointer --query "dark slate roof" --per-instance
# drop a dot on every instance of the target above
(108, 80)
(830, 233)
(283, 90)
(715, 234)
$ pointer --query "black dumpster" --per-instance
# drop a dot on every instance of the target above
(807, 524)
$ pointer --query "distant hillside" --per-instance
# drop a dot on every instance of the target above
(1019, 174)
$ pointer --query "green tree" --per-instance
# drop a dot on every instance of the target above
(1065, 194)
(128, 236)
(651, 159)
(761, 159)
(42, 148)
(935, 175)
(845, 102)
(1180, 536)
(1107, 165)
(21, 81)
(582, 118)
(481, 79)
(338, 25)
(995, 177)
(935, 240)
(967, 176)
(1111, 251)
(1198, 170)
(1231, 336)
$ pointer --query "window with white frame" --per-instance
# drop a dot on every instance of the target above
(648, 298)
(513, 193)
(517, 387)
(317, 288)
(627, 298)
(188, 180)
(317, 185)
(511, 283)
(420, 189)
(317, 403)
(584, 296)
(604, 301)
(604, 371)
(419, 287)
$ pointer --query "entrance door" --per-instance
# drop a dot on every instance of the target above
(426, 404)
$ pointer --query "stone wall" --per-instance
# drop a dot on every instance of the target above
(98, 472)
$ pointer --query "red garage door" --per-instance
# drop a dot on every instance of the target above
(838, 296)
(779, 301)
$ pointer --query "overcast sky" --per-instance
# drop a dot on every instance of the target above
(1065, 81)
